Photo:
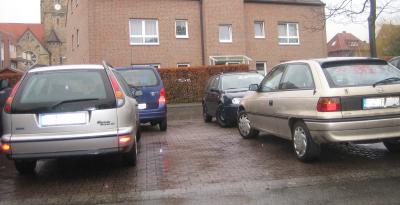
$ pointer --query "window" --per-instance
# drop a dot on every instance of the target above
(261, 67)
(259, 29)
(181, 29)
(225, 33)
(182, 65)
(271, 82)
(77, 37)
(288, 33)
(297, 76)
(76, 3)
(140, 77)
(143, 32)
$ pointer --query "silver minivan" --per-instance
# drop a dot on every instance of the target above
(312, 102)
(67, 111)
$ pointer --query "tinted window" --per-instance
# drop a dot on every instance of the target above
(297, 76)
(140, 77)
(215, 83)
(42, 91)
(124, 84)
(359, 75)
(240, 81)
(271, 82)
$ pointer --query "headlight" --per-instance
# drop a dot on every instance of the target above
(236, 101)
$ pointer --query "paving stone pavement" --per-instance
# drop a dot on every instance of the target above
(198, 163)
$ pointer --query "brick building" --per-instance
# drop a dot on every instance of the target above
(171, 33)
(8, 53)
(347, 45)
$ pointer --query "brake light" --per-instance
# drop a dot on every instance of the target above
(5, 147)
(329, 104)
(124, 139)
(7, 105)
(162, 99)
(119, 96)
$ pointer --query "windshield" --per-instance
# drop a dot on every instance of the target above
(240, 81)
(140, 77)
(86, 88)
(359, 75)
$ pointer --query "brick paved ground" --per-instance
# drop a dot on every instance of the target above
(196, 163)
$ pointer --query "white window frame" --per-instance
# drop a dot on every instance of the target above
(187, 28)
(143, 35)
(230, 33)
(180, 65)
(265, 66)
(288, 37)
(263, 29)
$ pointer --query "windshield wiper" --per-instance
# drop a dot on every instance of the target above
(386, 81)
(72, 101)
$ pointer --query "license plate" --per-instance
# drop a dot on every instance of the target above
(142, 106)
(58, 119)
(374, 103)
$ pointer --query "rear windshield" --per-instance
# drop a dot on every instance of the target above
(242, 81)
(140, 77)
(359, 74)
(66, 91)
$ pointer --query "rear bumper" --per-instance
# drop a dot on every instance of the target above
(324, 131)
(151, 115)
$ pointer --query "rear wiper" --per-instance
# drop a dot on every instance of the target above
(386, 81)
(72, 101)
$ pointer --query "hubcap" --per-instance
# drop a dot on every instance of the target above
(221, 115)
(300, 141)
(244, 124)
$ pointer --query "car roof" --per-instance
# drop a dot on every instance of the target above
(66, 67)
(324, 62)
(394, 58)
(237, 73)
(135, 67)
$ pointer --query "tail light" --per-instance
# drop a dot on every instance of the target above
(124, 140)
(5, 147)
(162, 100)
(119, 96)
(329, 104)
(7, 105)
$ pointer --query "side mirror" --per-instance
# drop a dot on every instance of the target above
(253, 87)
(4, 84)
(138, 93)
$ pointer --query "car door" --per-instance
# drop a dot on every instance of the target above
(262, 109)
(296, 97)
(213, 96)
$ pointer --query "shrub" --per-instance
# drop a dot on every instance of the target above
(186, 85)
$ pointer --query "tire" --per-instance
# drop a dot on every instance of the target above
(163, 125)
(244, 126)
(206, 117)
(392, 145)
(138, 134)
(25, 167)
(304, 146)
(130, 158)
(221, 118)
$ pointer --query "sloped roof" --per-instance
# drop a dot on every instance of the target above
(53, 38)
(304, 2)
(18, 29)
(339, 42)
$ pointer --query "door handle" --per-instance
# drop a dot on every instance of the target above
(271, 103)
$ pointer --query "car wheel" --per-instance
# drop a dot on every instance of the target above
(130, 158)
(163, 125)
(138, 134)
(244, 126)
(392, 145)
(221, 118)
(206, 117)
(25, 167)
(304, 146)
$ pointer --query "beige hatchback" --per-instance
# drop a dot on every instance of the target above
(312, 102)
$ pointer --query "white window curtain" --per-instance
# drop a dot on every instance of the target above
(288, 33)
(259, 29)
(225, 33)
(144, 32)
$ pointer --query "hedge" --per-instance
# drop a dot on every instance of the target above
(186, 85)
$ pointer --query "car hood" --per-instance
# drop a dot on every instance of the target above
(236, 93)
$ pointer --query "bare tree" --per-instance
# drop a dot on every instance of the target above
(353, 11)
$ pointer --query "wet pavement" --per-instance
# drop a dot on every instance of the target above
(198, 163)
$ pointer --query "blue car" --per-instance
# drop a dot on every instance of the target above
(223, 93)
(152, 104)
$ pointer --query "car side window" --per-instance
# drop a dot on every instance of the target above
(297, 76)
(215, 83)
(124, 84)
(271, 82)
(209, 83)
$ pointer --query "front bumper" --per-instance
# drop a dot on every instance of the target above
(352, 130)
(231, 112)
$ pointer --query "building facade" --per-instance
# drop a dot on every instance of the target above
(347, 45)
(8, 52)
(173, 33)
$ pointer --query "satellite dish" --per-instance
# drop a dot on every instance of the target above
(57, 7)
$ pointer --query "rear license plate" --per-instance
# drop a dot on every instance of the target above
(375, 103)
(142, 106)
(58, 119)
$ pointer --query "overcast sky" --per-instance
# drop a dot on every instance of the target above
(28, 11)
